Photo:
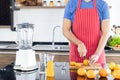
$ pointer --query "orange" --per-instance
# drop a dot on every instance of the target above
(81, 71)
(72, 63)
(91, 74)
(103, 72)
(81, 78)
(116, 74)
(111, 65)
(78, 65)
(86, 62)
(117, 67)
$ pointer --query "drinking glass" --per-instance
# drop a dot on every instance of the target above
(42, 66)
(44, 58)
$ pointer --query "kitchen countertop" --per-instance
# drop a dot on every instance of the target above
(7, 73)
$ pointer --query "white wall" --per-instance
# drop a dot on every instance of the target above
(7, 35)
(46, 18)
(114, 11)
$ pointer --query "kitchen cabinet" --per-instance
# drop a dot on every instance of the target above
(4, 12)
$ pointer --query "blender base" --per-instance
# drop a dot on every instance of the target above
(25, 60)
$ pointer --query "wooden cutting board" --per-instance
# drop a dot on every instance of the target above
(95, 66)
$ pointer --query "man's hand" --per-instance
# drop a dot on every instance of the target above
(94, 58)
(82, 50)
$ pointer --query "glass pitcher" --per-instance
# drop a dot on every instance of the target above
(25, 35)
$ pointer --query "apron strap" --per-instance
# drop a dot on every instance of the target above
(78, 6)
(94, 2)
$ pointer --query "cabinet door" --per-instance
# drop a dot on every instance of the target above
(4, 12)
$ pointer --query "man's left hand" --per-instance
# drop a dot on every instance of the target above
(94, 58)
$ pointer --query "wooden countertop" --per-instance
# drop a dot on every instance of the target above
(8, 56)
(6, 59)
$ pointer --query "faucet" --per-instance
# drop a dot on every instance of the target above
(53, 41)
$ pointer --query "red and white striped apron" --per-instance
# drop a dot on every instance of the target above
(86, 27)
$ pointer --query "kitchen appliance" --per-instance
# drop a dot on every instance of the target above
(25, 56)
(31, 75)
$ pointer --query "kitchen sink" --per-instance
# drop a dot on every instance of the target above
(52, 47)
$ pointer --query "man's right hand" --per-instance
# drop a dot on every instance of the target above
(82, 49)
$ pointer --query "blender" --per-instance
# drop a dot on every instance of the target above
(25, 56)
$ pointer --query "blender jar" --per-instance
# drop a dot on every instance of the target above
(25, 35)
